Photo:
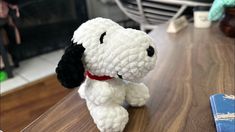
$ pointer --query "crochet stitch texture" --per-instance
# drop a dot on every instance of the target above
(125, 55)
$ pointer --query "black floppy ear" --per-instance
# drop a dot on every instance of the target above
(70, 69)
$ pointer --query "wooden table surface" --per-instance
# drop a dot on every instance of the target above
(192, 65)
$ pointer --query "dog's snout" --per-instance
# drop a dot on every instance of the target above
(150, 51)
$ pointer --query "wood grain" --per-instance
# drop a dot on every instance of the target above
(191, 66)
(21, 107)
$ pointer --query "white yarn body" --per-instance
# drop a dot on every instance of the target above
(105, 98)
(122, 53)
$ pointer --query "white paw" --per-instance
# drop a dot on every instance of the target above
(110, 118)
(137, 94)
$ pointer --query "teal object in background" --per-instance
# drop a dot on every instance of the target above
(217, 9)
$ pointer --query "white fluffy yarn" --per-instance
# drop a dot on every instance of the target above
(123, 52)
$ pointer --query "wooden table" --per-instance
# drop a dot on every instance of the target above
(191, 66)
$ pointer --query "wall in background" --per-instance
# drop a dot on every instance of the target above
(47, 25)
(105, 8)
(40, 12)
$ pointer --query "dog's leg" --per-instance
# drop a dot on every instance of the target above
(81, 90)
(109, 118)
(103, 101)
(136, 94)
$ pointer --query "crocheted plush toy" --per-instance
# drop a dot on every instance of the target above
(113, 59)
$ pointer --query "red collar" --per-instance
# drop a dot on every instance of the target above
(100, 78)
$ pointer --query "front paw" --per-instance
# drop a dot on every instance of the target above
(137, 94)
(111, 118)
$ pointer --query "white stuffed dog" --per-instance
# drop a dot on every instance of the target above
(109, 58)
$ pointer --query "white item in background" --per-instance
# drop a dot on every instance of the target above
(149, 14)
(201, 19)
(30, 70)
(106, 9)
(177, 24)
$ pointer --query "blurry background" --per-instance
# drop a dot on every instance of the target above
(27, 81)
(46, 25)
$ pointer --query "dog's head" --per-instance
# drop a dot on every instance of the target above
(102, 47)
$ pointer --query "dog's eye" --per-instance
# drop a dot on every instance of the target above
(102, 37)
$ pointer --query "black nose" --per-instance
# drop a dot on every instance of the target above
(150, 51)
